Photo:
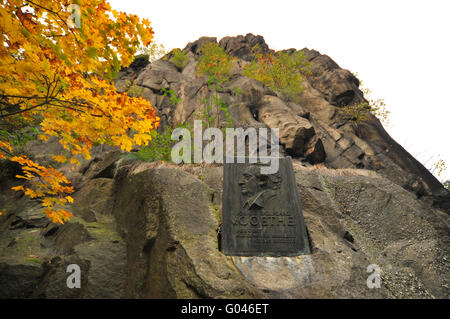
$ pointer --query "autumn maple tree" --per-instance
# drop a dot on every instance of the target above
(58, 60)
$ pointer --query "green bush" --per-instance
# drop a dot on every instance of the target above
(357, 113)
(377, 107)
(141, 56)
(214, 62)
(153, 52)
(179, 58)
(282, 72)
(360, 112)
(214, 105)
(18, 132)
(172, 95)
(160, 147)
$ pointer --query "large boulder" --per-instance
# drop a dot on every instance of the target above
(241, 46)
(340, 87)
(158, 75)
(295, 131)
(170, 230)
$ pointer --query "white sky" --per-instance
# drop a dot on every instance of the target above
(400, 49)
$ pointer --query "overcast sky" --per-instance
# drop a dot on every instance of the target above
(400, 50)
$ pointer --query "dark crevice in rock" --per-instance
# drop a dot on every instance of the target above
(149, 245)
(50, 230)
(348, 237)
(139, 63)
(308, 235)
(108, 172)
(19, 223)
(344, 98)
(172, 245)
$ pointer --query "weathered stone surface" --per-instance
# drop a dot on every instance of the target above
(328, 88)
(171, 231)
(101, 165)
(241, 46)
(158, 75)
(161, 242)
(339, 86)
(18, 280)
(381, 215)
(195, 46)
(299, 110)
(315, 152)
(295, 131)
(190, 70)
(96, 197)
(42, 151)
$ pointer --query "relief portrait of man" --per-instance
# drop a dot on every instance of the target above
(259, 191)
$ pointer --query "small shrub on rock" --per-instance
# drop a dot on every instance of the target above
(179, 58)
(282, 72)
(214, 62)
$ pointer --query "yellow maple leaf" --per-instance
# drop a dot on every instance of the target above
(73, 160)
(47, 202)
(69, 199)
(59, 158)
(30, 193)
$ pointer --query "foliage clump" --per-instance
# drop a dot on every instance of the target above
(179, 58)
(214, 62)
(172, 95)
(359, 113)
(57, 74)
(18, 132)
(152, 52)
(282, 72)
(447, 184)
(214, 105)
(438, 167)
(159, 149)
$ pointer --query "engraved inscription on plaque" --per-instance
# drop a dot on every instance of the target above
(262, 212)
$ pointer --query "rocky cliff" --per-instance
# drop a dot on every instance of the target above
(149, 230)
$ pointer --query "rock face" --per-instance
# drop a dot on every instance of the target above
(310, 129)
(149, 230)
(241, 46)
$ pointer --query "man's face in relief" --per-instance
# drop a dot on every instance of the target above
(249, 183)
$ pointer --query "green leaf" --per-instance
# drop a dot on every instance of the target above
(92, 52)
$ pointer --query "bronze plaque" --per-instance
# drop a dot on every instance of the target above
(262, 214)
